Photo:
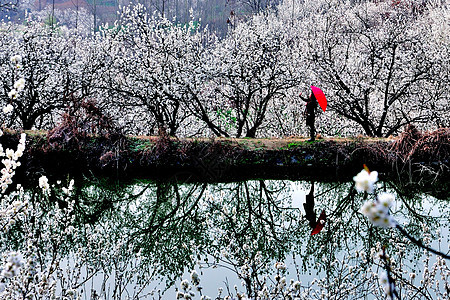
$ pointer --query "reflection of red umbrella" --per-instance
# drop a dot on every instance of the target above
(320, 223)
(320, 96)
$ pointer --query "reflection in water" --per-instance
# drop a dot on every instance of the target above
(125, 240)
(310, 214)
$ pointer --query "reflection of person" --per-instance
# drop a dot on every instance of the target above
(310, 113)
(310, 215)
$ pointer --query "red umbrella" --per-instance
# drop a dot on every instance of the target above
(320, 223)
(320, 96)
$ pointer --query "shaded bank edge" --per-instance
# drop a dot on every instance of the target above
(220, 160)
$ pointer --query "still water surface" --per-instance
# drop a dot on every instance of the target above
(143, 238)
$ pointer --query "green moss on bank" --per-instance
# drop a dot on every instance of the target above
(208, 159)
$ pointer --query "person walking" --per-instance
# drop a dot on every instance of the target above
(316, 98)
(310, 115)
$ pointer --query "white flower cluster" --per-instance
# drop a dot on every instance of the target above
(19, 85)
(8, 108)
(16, 59)
(11, 212)
(11, 268)
(378, 212)
(280, 266)
(43, 184)
(67, 191)
(365, 180)
(186, 289)
(11, 162)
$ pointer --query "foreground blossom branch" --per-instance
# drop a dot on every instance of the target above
(378, 212)
(419, 243)
(386, 279)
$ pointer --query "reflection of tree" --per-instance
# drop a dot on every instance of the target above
(416, 206)
(133, 234)
(165, 227)
(252, 226)
(97, 200)
(339, 202)
(348, 231)
(247, 225)
(168, 226)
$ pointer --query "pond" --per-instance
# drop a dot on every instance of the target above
(251, 239)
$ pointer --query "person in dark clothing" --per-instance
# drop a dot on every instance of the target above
(310, 114)
(310, 214)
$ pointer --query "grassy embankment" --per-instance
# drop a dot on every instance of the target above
(413, 154)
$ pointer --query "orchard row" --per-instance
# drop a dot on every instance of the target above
(381, 66)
